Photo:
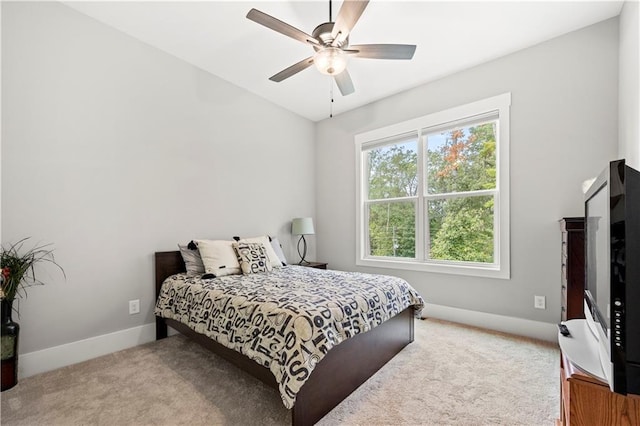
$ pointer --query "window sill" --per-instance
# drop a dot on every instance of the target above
(491, 271)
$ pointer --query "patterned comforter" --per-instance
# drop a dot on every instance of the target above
(287, 319)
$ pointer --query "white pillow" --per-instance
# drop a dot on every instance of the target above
(273, 257)
(277, 248)
(219, 257)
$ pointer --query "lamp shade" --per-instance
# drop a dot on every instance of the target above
(302, 226)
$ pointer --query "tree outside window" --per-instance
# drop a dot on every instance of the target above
(461, 168)
(393, 177)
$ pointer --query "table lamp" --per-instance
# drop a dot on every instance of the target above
(302, 226)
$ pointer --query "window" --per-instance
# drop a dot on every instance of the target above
(434, 192)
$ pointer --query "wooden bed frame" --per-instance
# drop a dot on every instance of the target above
(336, 376)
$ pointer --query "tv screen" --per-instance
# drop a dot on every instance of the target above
(597, 236)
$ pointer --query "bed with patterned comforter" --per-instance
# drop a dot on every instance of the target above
(288, 319)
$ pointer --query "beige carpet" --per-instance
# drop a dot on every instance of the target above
(450, 375)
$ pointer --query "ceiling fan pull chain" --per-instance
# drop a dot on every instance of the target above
(331, 96)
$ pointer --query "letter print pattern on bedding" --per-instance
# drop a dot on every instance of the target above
(252, 258)
(288, 319)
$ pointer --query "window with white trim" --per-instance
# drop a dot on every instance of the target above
(433, 192)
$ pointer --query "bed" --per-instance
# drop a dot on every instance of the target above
(338, 372)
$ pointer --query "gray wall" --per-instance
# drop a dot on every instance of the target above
(563, 129)
(112, 150)
(629, 87)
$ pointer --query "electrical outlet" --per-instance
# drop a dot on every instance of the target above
(134, 306)
(539, 302)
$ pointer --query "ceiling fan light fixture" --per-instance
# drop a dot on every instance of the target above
(330, 60)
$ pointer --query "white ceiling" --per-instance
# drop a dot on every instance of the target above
(450, 35)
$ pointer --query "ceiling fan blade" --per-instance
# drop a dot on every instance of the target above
(293, 69)
(383, 51)
(344, 82)
(349, 14)
(282, 27)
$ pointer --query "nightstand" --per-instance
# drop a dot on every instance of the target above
(317, 265)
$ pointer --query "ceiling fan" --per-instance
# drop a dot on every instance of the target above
(330, 40)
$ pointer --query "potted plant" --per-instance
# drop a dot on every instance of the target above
(17, 274)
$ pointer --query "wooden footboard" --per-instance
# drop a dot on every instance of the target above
(350, 364)
(340, 372)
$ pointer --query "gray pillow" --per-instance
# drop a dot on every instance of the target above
(192, 259)
(278, 249)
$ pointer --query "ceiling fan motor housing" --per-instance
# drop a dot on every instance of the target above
(322, 33)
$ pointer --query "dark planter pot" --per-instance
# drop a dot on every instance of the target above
(9, 346)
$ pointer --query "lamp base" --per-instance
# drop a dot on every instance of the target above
(304, 251)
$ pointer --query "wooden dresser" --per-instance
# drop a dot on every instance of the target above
(587, 401)
(572, 268)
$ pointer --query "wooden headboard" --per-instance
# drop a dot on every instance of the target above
(167, 264)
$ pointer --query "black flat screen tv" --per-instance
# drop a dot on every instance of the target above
(612, 287)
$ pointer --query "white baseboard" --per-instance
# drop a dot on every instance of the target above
(512, 325)
(71, 353)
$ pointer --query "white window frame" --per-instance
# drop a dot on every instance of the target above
(501, 267)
